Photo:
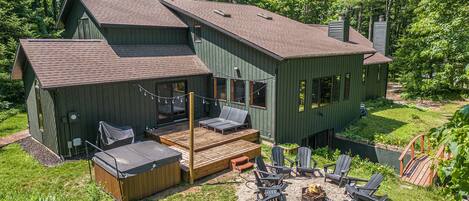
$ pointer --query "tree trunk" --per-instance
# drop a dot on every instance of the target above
(54, 9)
(359, 20)
(45, 4)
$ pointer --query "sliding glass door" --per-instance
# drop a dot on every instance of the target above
(171, 110)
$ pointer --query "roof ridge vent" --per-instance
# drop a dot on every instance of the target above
(264, 16)
(220, 12)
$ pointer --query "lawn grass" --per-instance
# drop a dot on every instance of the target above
(396, 124)
(23, 178)
(391, 186)
(207, 192)
(14, 124)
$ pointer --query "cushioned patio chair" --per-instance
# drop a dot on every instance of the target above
(341, 169)
(266, 193)
(225, 111)
(367, 191)
(269, 176)
(278, 160)
(236, 119)
(303, 162)
(112, 136)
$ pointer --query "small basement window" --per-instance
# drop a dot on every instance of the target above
(197, 33)
(40, 115)
(238, 91)
(219, 88)
(258, 94)
(301, 96)
(347, 86)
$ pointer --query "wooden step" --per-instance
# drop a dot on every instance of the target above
(245, 166)
(238, 161)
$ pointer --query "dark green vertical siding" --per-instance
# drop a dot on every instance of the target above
(49, 135)
(222, 54)
(119, 103)
(71, 26)
(293, 126)
(374, 88)
(135, 35)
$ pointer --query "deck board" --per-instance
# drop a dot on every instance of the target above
(206, 139)
(418, 171)
(217, 158)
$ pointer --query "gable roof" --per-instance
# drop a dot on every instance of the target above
(357, 38)
(71, 62)
(280, 37)
(148, 13)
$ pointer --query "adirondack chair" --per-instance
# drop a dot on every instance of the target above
(266, 175)
(278, 160)
(303, 162)
(265, 192)
(341, 169)
(365, 192)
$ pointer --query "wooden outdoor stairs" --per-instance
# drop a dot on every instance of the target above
(421, 169)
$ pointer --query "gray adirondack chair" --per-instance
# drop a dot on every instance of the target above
(265, 192)
(278, 160)
(367, 191)
(341, 169)
(303, 162)
(268, 176)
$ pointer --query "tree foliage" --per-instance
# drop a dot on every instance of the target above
(432, 56)
(455, 136)
(21, 19)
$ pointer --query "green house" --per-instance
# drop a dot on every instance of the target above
(133, 62)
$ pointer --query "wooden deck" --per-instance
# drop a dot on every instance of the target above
(206, 139)
(213, 151)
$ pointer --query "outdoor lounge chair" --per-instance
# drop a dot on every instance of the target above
(303, 162)
(278, 160)
(225, 111)
(266, 175)
(341, 170)
(112, 136)
(366, 192)
(235, 120)
(265, 193)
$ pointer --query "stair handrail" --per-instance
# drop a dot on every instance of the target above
(440, 155)
(411, 146)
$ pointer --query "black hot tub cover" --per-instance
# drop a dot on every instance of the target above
(136, 158)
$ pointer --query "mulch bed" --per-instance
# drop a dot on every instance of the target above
(39, 152)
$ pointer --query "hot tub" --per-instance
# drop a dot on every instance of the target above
(142, 169)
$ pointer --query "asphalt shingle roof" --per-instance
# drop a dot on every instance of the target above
(61, 62)
(356, 38)
(132, 12)
(280, 37)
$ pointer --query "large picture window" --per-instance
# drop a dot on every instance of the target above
(336, 88)
(301, 96)
(84, 28)
(325, 91)
(219, 88)
(347, 86)
(315, 97)
(238, 91)
(258, 91)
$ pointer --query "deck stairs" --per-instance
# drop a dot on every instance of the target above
(420, 168)
(241, 163)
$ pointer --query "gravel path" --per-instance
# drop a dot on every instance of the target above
(39, 152)
(245, 191)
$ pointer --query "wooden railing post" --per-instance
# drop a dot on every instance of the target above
(401, 168)
(422, 144)
(412, 151)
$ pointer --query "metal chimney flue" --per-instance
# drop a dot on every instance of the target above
(381, 35)
(340, 29)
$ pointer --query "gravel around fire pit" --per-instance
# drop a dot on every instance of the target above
(39, 152)
(245, 191)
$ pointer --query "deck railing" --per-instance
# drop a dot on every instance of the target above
(411, 147)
